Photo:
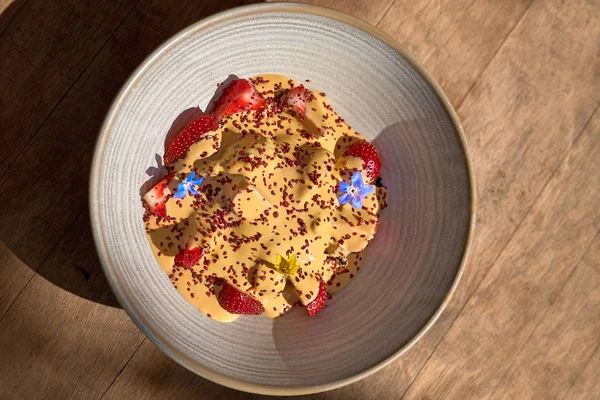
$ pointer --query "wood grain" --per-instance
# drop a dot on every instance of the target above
(152, 375)
(369, 11)
(559, 347)
(587, 385)
(8, 9)
(592, 256)
(77, 345)
(57, 345)
(40, 58)
(18, 277)
(525, 74)
(522, 283)
(455, 40)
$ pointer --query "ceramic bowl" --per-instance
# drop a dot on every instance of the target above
(413, 264)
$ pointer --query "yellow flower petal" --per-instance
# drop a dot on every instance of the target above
(292, 265)
(286, 267)
(278, 262)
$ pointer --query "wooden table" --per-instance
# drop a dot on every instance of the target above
(524, 76)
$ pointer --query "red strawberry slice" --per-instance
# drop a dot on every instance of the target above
(315, 306)
(236, 302)
(187, 257)
(240, 95)
(156, 197)
(297, 98)
(368, 153)
(181, 143)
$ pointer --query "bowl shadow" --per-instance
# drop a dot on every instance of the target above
(429, 298)
(384, 142)
(64, 253)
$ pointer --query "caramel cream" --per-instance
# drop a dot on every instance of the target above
(270, 187)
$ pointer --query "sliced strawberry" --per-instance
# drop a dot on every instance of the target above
(315, 306)
(187, 257)
(297, 98)
(181, 143)
(236, 302)
(155, 198)
(368, 153)
(240, 95)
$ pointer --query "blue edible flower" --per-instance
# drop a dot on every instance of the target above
(187, 185)
(356, 192)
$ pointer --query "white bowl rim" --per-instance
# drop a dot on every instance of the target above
(107, 264)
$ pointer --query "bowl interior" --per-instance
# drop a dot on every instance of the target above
(411, 264)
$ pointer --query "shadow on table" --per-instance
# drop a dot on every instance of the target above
(47, 227)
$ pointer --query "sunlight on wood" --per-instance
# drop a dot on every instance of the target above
(14, 275)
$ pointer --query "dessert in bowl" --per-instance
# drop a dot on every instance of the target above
(411, 265)
(262, 204)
